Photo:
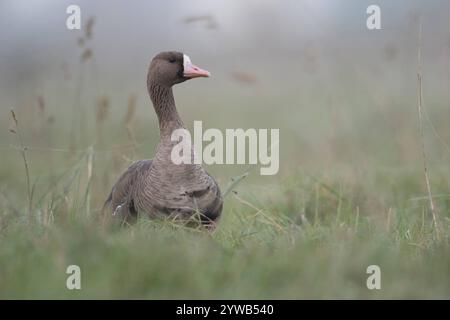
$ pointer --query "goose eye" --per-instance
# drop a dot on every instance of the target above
(172, 60)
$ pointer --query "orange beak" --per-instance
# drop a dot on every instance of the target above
(191, 71)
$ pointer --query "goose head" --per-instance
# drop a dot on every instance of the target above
(171, 67)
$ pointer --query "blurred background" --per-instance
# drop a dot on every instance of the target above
(344, 97)
(350, 191)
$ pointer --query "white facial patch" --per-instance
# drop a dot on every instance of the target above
(186, 62)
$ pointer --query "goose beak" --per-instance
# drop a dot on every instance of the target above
(192, 71)
(195, 72)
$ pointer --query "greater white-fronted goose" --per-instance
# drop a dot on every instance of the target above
(159, 187)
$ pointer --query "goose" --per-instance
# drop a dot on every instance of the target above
(159, 187)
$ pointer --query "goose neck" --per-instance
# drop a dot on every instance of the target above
(165, 108)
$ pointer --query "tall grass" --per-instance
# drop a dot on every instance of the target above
(434, 210)
(23, 152)
(310, 232)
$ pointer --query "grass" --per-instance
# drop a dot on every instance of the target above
(351, 191)
(308, 237)
(309, 232)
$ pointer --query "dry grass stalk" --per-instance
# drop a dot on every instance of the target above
(86, 55)
(131, 109)
(268, 219)
(356, 220)
(41, 105)
(103, 104)
(102, 111)
(81, 42)
(433, 208)
(41, 113)
(244, 77)
(89, 27)
(128, 121)
(90, 160)
(23, 150)
(66, 71)
(208, 20)
(388, 221)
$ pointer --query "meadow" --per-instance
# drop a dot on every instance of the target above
(355, 156)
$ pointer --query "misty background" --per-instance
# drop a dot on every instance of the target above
(352, 190)
(310, 68)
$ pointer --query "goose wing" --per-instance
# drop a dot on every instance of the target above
(120, 199)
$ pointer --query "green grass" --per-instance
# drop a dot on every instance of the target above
(308, 236)
(350, 192)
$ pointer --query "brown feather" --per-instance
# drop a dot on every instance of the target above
(159, 187)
